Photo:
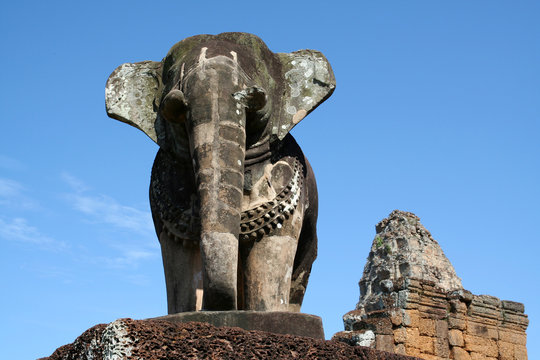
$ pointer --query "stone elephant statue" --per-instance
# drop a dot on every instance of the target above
(233, 198)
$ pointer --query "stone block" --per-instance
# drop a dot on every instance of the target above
(457, 306)
(477, 356)
(432, 312)
(427, 327)
(457, 323)
(520, 352)
(515, 321)
(384, 343)
(460, 354)
(379, 323)
(441, 329)
(441, 348)
(425, 343)
(514, 306)
(482, 330)
(406, 300)
(366, 338)
(413, 351)
(406, 318)
(490, 300)
(513, 337)
(430, 357)
(485, 313)
(412, 318)
(465, 295)
(400, 335)
(383, 326)
(396, 316)
(400, 349)
(481, 345)
(351, 318)
(455, 338)
(506, 350)
(413, 336)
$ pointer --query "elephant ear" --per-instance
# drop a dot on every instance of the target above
(309, 81)
(131, 95)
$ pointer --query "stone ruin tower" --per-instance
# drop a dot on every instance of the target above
(412, 303)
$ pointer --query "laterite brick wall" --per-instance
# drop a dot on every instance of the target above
(432, 324)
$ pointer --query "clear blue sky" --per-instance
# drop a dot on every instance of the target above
(436, 111)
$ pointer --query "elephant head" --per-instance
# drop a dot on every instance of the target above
(217, 103)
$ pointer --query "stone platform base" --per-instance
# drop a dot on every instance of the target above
(277, 322)
(151, 339)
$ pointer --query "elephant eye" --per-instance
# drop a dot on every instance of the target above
(253, 98)
(174, 106)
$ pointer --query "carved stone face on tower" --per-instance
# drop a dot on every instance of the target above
(233, 198)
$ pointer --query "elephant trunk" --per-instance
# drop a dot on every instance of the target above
(218, 143)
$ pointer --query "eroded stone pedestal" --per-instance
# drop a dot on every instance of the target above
(277, 322)
(157, 339)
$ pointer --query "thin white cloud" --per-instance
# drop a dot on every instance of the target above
(104, 209)
(12, 194)
(9, 188)
(13, 198)
(19, 230)
(9, 163)
(50, 271)
(129, 258)
(73, 182)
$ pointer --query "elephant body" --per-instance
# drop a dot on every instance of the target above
(275, 189)
(233, 198)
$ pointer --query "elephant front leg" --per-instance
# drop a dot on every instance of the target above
(270, 233)
(267, 270)
(183, 274)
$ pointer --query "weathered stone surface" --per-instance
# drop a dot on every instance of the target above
(402, 249)
(277, 322)
(130, 94)
(481, 345)
(513, 337)
(460, 354)
(427, 327)
(356, 338)
(400, 335)
(428, 314)
(514, 306)
(506, 350)
(233, 198)
(131, 339)
(441, 347)
(457, 323)
(455, 338)
(384, 343)
(425, 344)
(483, 330)
(400, 349)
